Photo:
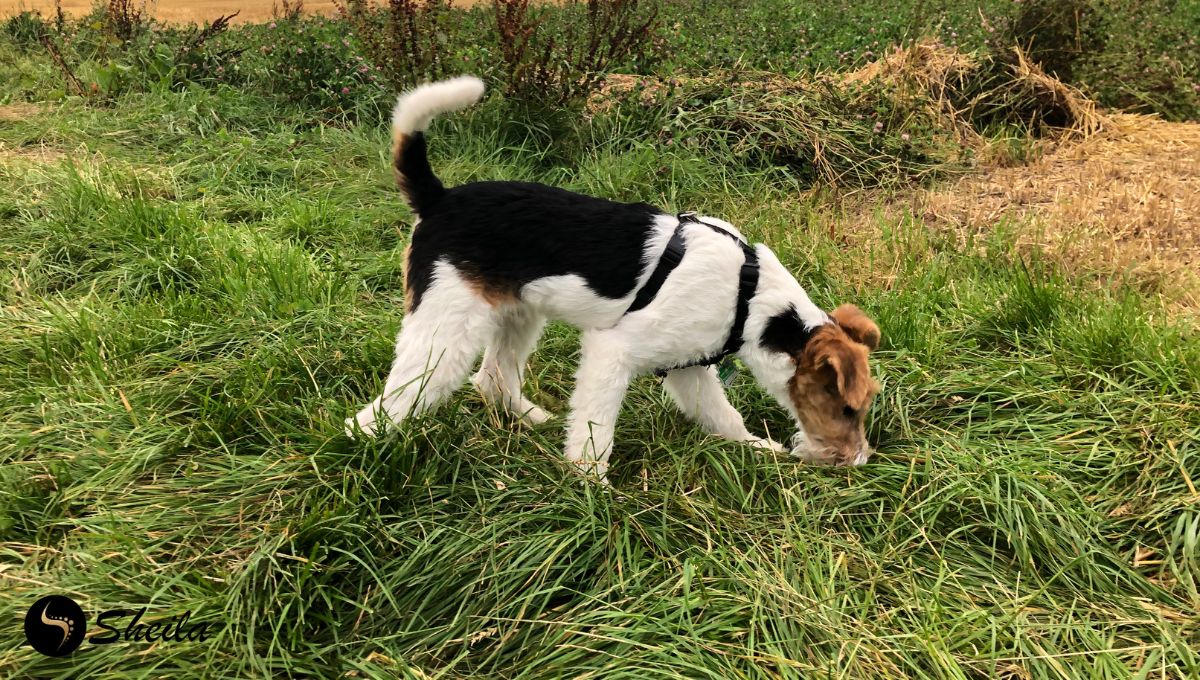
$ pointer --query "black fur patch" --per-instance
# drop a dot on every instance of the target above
(507, 234)
(417, 181)
(785, 332)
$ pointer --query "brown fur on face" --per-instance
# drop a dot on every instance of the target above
(832, 386)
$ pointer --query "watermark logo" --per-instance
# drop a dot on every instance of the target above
(55, 625)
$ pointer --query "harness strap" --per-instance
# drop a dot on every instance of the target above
(670, 259)
(671, 256)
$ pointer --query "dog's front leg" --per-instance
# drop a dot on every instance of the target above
(600, 385)
(699, 394)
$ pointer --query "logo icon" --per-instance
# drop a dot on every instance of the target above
(55, 625)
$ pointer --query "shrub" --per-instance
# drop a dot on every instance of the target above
(407, 39)
(1053, 33)
(26, 30)
(823, 132)
(1141, 56)
(126, 19)
(311, 62)
(561, 62)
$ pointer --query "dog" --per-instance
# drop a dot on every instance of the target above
(490, 262)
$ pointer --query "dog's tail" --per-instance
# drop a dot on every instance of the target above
(414, 109)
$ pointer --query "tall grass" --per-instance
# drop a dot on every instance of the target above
(199, 291)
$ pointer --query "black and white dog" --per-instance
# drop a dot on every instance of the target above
(490, 262)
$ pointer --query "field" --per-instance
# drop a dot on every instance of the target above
(200, 277)
(175, 12)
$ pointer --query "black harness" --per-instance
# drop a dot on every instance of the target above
(671, 256)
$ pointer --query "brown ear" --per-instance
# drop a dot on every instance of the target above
(851, 373)
(857, 325)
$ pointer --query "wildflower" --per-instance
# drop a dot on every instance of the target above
(271, 25)
(904, 137)
(345, 90)
(879, 126)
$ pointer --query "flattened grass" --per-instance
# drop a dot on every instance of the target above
(197, 295)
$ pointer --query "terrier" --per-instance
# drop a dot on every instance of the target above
(490, 262)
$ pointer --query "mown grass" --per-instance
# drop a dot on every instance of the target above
(206, 284)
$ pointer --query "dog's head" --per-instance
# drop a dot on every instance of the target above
(830, 386)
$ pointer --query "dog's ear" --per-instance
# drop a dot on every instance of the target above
(857, 325)
(842, 364)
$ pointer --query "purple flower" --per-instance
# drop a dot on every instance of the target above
(345, 90)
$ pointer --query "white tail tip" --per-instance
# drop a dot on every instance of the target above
(415, 108)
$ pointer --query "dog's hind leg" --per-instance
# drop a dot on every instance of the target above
(502, 372)
(699, 394)
(435, 349)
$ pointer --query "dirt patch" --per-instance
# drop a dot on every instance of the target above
(18, 111)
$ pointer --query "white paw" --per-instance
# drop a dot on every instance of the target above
(535, 416)
(768, 444)
(363, 422)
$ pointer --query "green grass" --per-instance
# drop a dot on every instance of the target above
(195, 297)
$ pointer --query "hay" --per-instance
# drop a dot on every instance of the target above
(1126, 199)
(974, 91)
(923, 110)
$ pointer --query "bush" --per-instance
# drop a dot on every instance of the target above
(1053, 33)
(545, 55)
(311, 62)
(1141, 56)
(561, 62)
(26, 30)
(407, 40)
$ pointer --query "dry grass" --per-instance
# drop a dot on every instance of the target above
(29, 154)
(18, 111)
(1127, 198)
(1123, 201)
(967, 88)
